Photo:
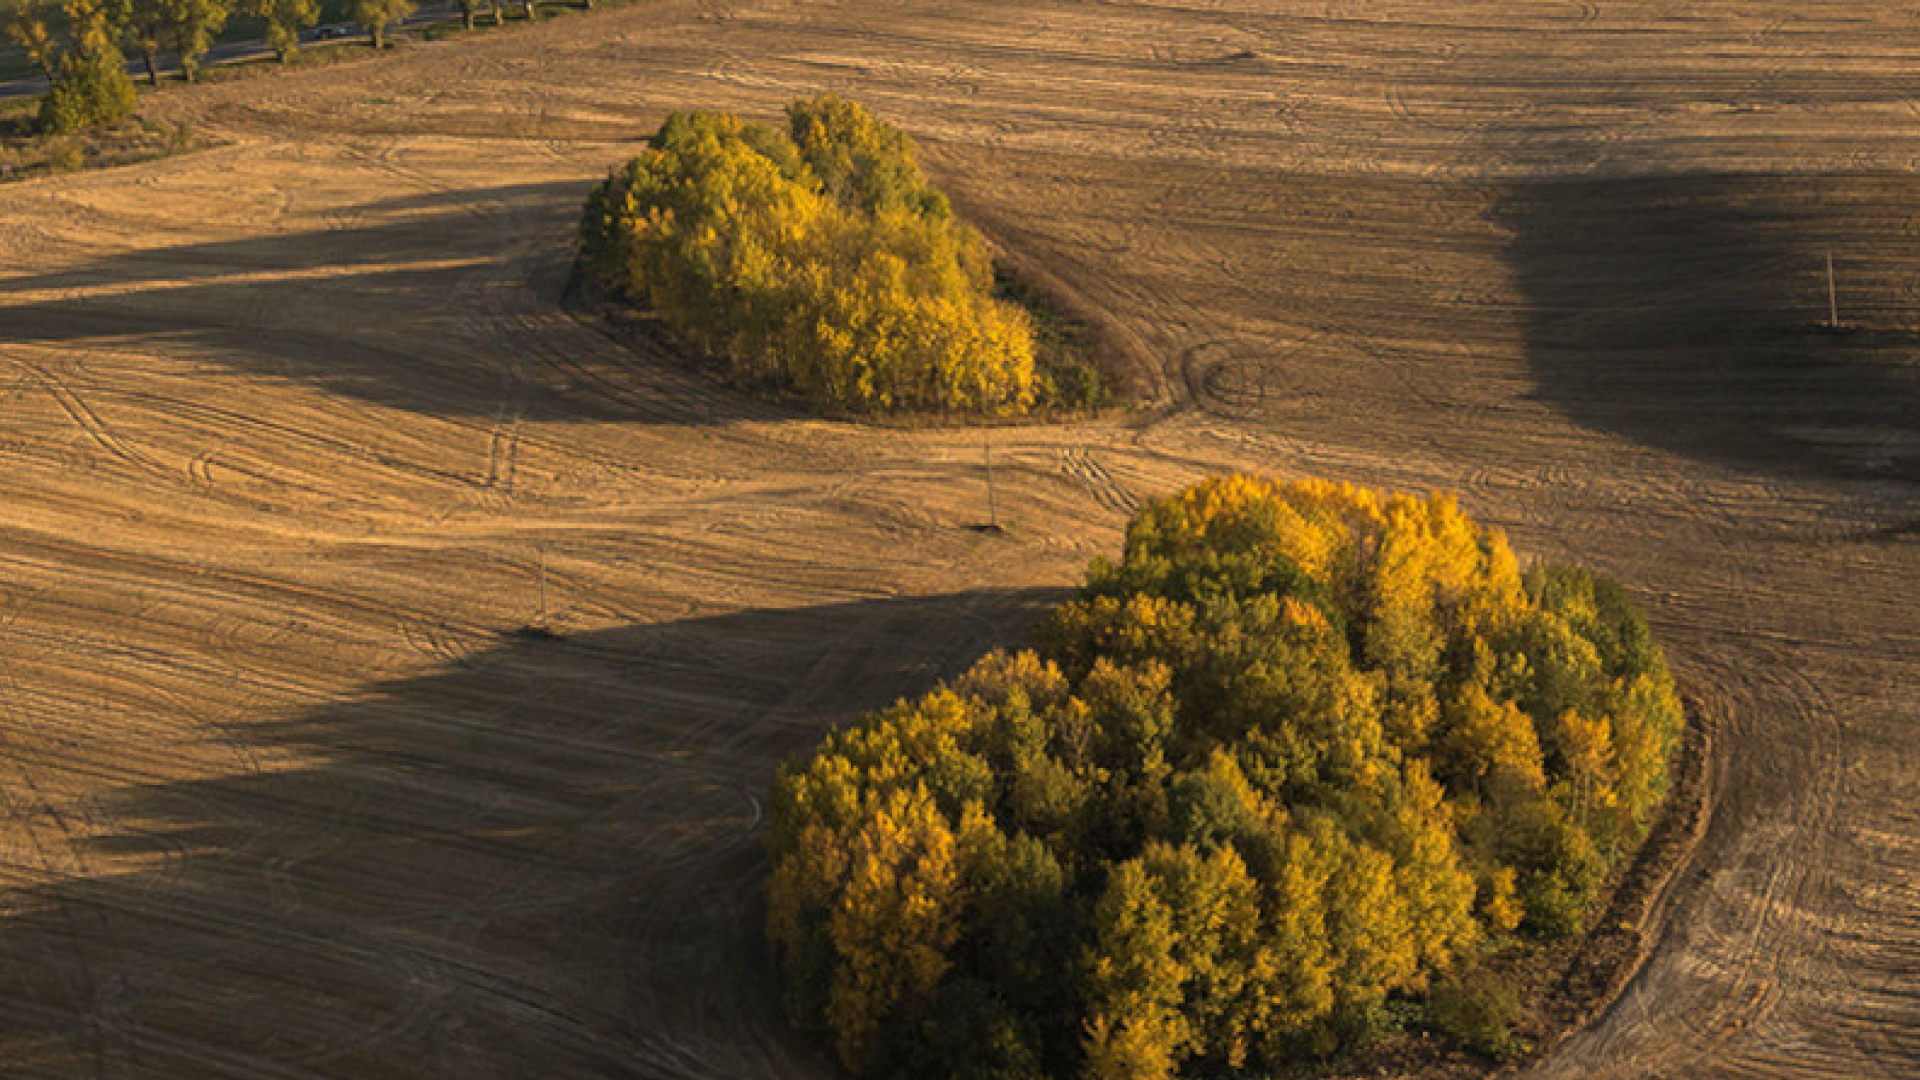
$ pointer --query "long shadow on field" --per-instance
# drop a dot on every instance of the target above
(414, 302)
(1688, 313)
(542, 861)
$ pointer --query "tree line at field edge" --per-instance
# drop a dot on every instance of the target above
(81, 46)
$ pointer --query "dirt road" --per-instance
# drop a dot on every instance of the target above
(296, 437)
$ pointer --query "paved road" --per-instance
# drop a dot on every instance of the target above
(236, 51)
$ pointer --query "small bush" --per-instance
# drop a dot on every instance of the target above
(66, 153)
(93, 91)
(1478, 1011)
(1063, 378)
(1071, 384)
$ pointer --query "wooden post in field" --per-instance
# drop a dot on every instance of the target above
(1833, 298)
(993, 505)
(537, 628)
(541, 554)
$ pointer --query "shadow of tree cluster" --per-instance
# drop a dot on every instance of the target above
(410, 302)
(541, 861)
(1689, 313)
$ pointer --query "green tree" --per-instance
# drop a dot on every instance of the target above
(377, 15)
(1479, 1010)
(90, 88)
(862, 163)
(1294, 987)
(189, 28)
(146, 32)
(29, 24)
(285, 19)
(93, 91)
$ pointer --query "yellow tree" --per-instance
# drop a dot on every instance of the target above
(894, 921)
(1646, 722)
(1489, 746)
(1293, 973)
(1587, 745)
(1133, 982)
(1215, 909)
(1428, 871)
(1370, 925)
(1199, 780)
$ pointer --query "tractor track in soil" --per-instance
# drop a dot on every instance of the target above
(300, 435)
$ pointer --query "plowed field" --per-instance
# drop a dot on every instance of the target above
(295, 434)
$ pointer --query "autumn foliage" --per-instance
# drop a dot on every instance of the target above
(1299, 758)
(816, 260)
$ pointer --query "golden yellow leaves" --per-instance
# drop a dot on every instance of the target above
(1304, 751)
(893, 920)
(820, 264)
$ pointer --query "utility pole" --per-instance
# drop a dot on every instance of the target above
(1833, 298)
(540, 554)
(993, 505)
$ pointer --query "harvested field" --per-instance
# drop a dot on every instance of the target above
(297, 436)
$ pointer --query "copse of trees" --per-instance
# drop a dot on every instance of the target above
(817, 260)
(1297, 761)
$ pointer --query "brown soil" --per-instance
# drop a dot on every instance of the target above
(295, 428)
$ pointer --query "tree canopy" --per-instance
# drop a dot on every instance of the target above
(88, 87)
(1303, 752)
(377, 15)
(817, 260)
(78, 45)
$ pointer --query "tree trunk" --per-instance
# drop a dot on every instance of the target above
(43, 59)
(38, 42)
(153, 70)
